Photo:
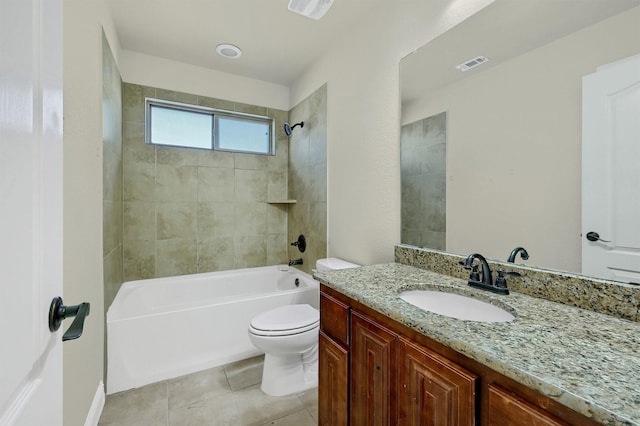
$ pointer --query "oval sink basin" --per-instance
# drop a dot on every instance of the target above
(456, 306)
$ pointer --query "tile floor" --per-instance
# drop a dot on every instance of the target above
(227, 395)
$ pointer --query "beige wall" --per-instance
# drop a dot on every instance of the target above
(514, 146)
(189, 210)
(363, 122)
(83, 199)
(162, 73)
(308, 178)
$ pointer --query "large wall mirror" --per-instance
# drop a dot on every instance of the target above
(504, 138)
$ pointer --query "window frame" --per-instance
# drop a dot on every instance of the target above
(214, 113)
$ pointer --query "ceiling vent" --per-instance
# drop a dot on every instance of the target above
(472, 63)
(314, 9)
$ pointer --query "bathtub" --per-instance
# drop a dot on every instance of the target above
(167, 327)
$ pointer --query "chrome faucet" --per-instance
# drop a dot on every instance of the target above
(523, 254)
(295, 262)
(484, 281)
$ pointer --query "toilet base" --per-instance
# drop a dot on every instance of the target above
(292, 373)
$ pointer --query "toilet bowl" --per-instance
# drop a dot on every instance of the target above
(288, 336)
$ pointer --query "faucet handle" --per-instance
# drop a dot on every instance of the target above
(501, 281)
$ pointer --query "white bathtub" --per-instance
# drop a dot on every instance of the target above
(167, 327)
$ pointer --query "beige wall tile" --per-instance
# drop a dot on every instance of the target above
(139, 260)
(251, 185)
(170, 95)
(215, 254)
(176, 220)
(135, 150)
(250, 109)
(133, 101)
(277, 218)
(215, 103)
(112, 176)
(251, 161)
(216, 219)
(277, 249)
(139, 181)
(277, 185)
(139, 220)
(250, 251)
(111, 226)
(176, 183)
(218, 159)
(307, 178)
(250, 218)
(113, 277)
(176, 257)
(174, 156)
(216, 184)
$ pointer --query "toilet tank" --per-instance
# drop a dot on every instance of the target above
(333, 264)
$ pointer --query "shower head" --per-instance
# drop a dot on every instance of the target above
(288, 129)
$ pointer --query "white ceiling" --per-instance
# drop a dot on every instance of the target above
(277, 45)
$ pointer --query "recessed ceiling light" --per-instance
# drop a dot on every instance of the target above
(229, 51)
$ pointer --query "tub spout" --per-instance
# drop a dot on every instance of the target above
(295, 262)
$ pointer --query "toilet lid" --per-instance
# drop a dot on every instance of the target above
(289, 317)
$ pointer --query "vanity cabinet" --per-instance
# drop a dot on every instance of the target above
(432, 389)
(375, 371)
(373, 384)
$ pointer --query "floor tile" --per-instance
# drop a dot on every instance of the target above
(245, 373)
(228, 395)
(197, 387)
(144, 406)
(257, 408)
(220, 410)
(309, 400)
(299, 418)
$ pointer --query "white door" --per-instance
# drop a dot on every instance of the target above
(30, 210)
(611, 171)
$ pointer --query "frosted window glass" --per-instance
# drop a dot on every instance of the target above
(243, 135)
(177, 127)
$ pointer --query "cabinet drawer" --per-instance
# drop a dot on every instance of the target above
(334, 318)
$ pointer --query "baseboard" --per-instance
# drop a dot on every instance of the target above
(96, 406)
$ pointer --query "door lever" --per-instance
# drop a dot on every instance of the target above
(594, 236)
(58, 312)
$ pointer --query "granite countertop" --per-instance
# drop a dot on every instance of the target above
(588, 361)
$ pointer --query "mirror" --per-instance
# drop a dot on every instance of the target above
(511, 126)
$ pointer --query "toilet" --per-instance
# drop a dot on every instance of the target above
(288, 336)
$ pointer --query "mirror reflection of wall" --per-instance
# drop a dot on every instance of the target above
(514, 124)
(423, 174)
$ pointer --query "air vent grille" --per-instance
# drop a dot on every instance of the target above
(472, 63)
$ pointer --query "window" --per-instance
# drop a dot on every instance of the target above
(191, 126)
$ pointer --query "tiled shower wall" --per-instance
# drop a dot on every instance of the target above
(308, 178)
(112, 174)
(189, 210)
(423, 171)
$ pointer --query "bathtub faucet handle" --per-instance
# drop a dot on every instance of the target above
(301, 243)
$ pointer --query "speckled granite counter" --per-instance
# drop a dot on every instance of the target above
(588, 361)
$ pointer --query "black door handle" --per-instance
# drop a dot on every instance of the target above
(594, 236)
(58, 312)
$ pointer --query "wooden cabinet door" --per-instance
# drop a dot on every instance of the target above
(433, 390)
(373, 351)
(333, 383)
(507, 409)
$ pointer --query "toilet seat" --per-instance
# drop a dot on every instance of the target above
(285, 320)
